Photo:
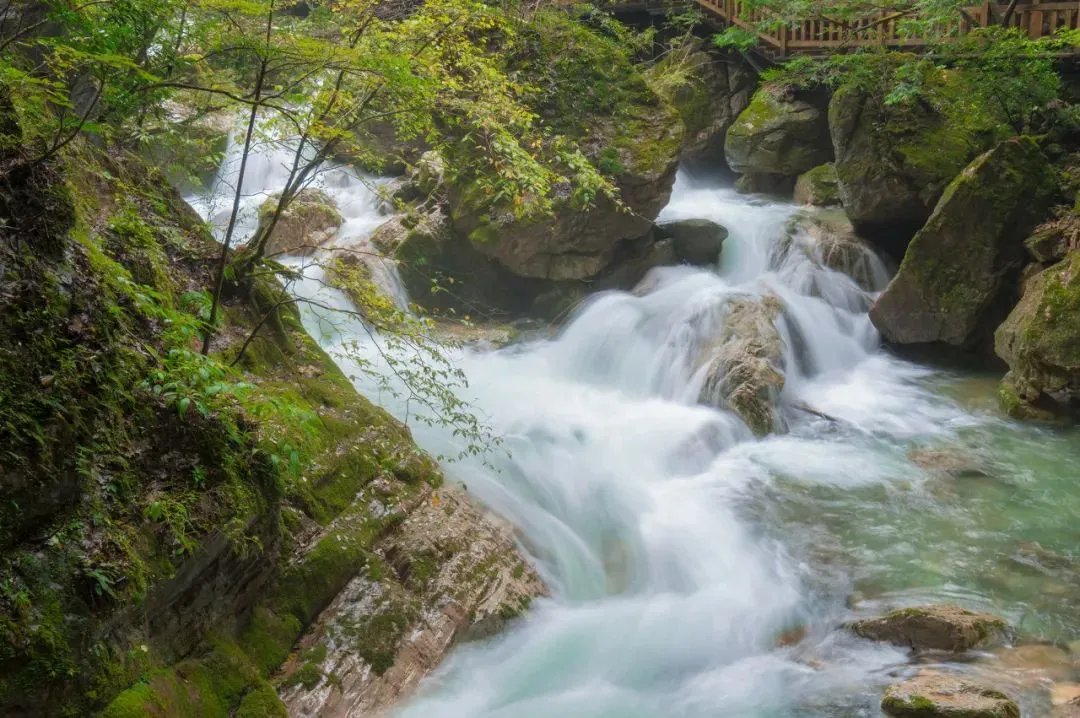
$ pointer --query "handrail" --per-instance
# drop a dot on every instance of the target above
(883, 29)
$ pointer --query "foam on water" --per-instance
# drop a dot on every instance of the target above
(667, 601)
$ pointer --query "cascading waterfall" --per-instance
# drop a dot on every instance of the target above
(694, 570)
(267, 172)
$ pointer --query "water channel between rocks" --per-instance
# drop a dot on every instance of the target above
(697, 571)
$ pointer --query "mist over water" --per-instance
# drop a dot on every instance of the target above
(694, 570)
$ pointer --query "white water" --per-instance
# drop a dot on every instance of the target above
(667, 601)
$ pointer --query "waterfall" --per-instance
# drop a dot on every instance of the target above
(354, 194)
(695, 571)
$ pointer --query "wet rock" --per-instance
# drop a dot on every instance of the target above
(449, 573)
(695, 241)
(818, 187)
(309, 221)
(1065, 699)
(767, 184)
(1040, 341)
(745, 371)
(777, 134)
(940, 627)
(893, 162)
(829, 238)
(960, 267)
(931, 694)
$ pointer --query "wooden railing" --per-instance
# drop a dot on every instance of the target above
(883, 28)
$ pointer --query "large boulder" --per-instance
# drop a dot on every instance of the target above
(957, 269)
(694, 241)
(578, 243)
(1040, 340)
(627, 132)
(894, 161)
(717, 87)
(939, 627)
(308, 222)
(932, 694)
(778, 135)
(745, 363)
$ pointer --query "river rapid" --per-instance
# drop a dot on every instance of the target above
(696, 571)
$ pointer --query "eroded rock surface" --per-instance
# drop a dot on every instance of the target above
(449, 572)
(745, 371)
(778, 135)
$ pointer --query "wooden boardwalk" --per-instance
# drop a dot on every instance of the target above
(882, 29)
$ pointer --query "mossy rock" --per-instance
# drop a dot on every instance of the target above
(941, 627)
(894, 161)
(778, 135)
(818, 187)
(1040, 341)
(959, 269)
(939, 695)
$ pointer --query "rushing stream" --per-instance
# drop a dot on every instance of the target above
(698, 572)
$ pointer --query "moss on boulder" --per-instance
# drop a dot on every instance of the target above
(933, 694)
(309, 221)
(941, 627)
(818, 187)
(709, 89)
(960, 268)
(894, 161)
(587, 87)
(778, 134)
(1040, 341)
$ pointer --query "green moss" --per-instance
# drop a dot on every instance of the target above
(261, 702)
(376, 636)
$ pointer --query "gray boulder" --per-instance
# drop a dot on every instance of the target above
(777, 135)
(695, 241)
(940, 627)
(958, 267)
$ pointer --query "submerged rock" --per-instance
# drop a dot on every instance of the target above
(777, 135)
(1040, 341)
(695, 241)
(939, 627)
(745, 371)
(309, 221)
(932, 694)
(893, 162)
(963, 263)
(818, 187)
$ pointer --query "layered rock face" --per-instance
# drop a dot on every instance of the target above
(446, 578)
(893, 163)
(960, 264)
(778, 136)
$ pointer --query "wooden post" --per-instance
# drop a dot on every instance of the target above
(1035, 21)
(783, 40)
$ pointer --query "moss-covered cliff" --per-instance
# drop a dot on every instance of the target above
(170, 523)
